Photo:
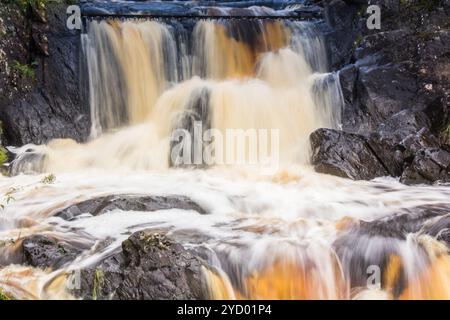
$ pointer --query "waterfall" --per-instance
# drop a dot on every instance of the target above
(144, 77)
(294, 234)
(127, 63)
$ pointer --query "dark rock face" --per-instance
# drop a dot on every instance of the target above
(385, 91)
(395, 85)
(416, 158)
(340, 30)
(413, 220)
(158, 268)
(47, 252)
(150, 266)
(98, 206)
(345, 155)
(43, 102)
(395, 141)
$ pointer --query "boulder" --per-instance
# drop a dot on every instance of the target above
(385, 90)
(345, 155)
(151, 266)
(98, 206)
(44, 251)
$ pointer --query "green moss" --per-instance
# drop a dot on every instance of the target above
(420, 5)
(25, 70)
(362, 11)
(49, 179)
(357, 41)
(99, 278)
(3, 155)
(155, 240)
(445, 135)
(38, 4)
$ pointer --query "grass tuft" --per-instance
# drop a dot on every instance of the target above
(49, 179)
(4, 296)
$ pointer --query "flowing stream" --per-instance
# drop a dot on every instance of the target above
(290, 234)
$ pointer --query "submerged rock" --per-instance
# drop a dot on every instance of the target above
(344, 154)
(382, 242)
(98, 206)
(151, 266)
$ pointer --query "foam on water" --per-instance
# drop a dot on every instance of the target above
(284, 221)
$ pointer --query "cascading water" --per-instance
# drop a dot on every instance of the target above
(256, 75)
(294, 234)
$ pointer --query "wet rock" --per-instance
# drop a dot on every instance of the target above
(396, 85)
(98, 206)
(40, 40)
(29, 162)
(340, 45)
(161, 267)
(440, 229)
(413, 143)
(385, 90)
(358, 252)
(46, 102)
(347, 78)
(340, 31)
(48, 252)
(101, 281)
(389, 151)
(386, 46)
(355, 119)
(151, 266)
(429, 165)
(397, 139)
(434, 77)
(411, 220)
(197, 111)
(345, 155)
(337, 15)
